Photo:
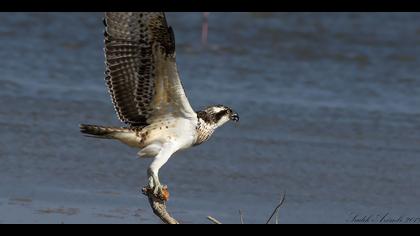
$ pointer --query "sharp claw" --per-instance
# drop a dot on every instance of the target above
(157, 190)
(160, 192)
(163, 193)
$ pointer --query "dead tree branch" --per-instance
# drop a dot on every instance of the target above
(277, 208)
(158, 205)
(214, 220)
(241, 217)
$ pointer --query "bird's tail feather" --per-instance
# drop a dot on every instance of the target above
(96, 131)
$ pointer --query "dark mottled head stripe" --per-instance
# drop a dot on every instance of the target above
(220, 114)
(210, 117)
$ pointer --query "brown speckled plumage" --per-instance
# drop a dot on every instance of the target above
(207, 121)
(131, 39)
(204, 131)
(100, 130)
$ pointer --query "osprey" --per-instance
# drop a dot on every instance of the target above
(147, 94)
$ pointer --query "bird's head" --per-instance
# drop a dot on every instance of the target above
(218, 115)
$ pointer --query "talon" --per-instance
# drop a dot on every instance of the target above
(160, 192)
(157, 190)
(165, 193)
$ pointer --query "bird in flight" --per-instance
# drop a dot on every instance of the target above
(147, 94)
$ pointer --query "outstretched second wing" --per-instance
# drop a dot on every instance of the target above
(141, 72)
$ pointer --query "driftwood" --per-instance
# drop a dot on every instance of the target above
(275, 212)
(216, 222)
(158, 204)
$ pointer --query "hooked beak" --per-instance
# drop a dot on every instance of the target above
(234, 117)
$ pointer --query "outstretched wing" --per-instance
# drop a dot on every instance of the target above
(141, 71)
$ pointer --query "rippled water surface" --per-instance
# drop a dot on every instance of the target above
(329, 106)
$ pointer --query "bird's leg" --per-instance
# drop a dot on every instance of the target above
(160, 191)
(151, 181)
(155, 186)
(154, 182)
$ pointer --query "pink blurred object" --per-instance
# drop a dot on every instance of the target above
(204, 29)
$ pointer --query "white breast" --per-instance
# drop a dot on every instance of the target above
(180, 132)
(183, 133)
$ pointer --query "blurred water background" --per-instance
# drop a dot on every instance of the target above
(329, 106)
